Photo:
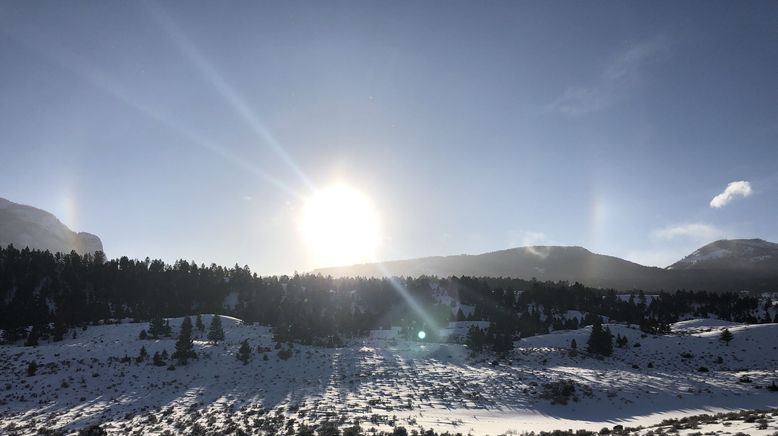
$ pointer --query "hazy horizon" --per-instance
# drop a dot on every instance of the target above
(289, 136)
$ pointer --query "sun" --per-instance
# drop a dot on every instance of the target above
(340, 226)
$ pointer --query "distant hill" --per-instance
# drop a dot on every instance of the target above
(748, 267)
(746, 255)
(27, 226)
(542, 262)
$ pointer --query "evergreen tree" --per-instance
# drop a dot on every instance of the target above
(502, 342)
(143, 335)
(32, 368)
(726, 336)
(167, 331)
(475, 338)
(157, 360)
(215, 331)
(600, 340)
(199, 324)
(156, 327)
(59, 330)
(573, 344)
(184, 348)
(142, 355)
(32, 337)
(244, 352)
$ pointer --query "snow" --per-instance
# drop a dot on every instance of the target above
(384, 381)
(457, 331)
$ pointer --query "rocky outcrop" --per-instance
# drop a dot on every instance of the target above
(27, 226)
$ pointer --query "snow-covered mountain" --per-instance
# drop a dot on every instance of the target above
(27, 226)
(732, 254)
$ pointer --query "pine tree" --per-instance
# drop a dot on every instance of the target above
(600, 341)
(475, 338)
(157, 359)
(199, 324)
(167, 331)
(156, 327)
(59, 330)
(143, 335)
(244, 352)
(184, 348)
(142, 355)
(573, 344)
(726, 336)
(215, 331)
(32, 337)
(32, 368)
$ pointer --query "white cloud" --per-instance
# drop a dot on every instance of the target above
(612, 83)
(697, 231)
(733, 189)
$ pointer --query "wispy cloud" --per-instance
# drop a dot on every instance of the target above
(534, 238)
(613, 82)
(740, 188)
(696, 231)
(531, 242)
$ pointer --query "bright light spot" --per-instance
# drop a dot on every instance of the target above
(422, 335)
(340, 226)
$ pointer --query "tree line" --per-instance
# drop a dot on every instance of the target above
(45, 294)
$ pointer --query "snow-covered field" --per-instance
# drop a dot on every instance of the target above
(383, 382)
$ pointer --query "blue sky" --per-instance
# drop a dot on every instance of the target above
(191, 132)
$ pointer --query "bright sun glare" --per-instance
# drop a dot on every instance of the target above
(340, 226)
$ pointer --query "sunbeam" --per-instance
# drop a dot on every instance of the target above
(417, 308)
(230, 95)
(53, 51)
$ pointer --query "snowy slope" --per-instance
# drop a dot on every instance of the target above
(384, 381)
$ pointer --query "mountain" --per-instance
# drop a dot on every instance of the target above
(542, 262)
(27, 226)
(722, 265)
(745, 255)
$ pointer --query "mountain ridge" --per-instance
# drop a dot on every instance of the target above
(750, 254)
(578, 264)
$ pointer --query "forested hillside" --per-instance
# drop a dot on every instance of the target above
(45, 294)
